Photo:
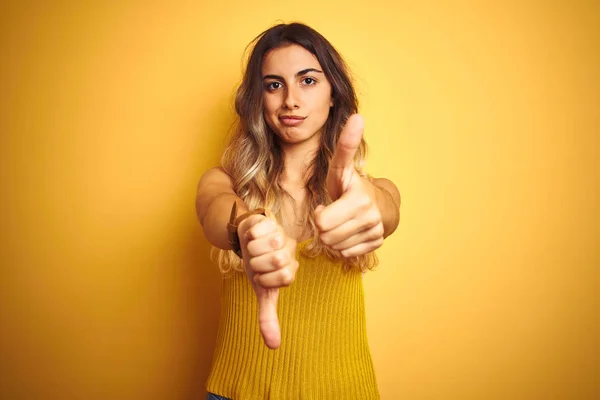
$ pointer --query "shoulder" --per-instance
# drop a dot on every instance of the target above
(216, 172)
(215, 181)
(388, 186)
(215, 176)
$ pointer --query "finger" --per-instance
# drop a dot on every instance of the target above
(367, 227)
(367, 235)
(266, 244)
(348, 143)
(316, 214)
(341, 233)
(279, 278)
(268, 321)
(341, 211)
(262, 228)
(248, 223)
(334, 215)
(269, 262)
(362, 248)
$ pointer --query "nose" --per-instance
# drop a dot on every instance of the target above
(291, 98)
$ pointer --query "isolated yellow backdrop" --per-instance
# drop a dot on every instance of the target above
(485, 114)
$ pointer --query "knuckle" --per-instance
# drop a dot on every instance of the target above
(279, 259)
(287, 277)
(276, 241)
(377, 243)
(364, 202)
(250, 224)
(376, 232)
(373, 218)
(265, 224)
(252, 233)
(271, 224)
(372, 235)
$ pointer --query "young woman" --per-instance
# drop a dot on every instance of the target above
(294, 222)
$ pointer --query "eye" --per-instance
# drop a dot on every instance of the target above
(273, 85)
(309, 81)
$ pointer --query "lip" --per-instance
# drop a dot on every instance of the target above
(291, 120)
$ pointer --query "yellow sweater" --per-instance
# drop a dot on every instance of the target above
(324, 352)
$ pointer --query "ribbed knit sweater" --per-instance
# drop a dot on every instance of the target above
(324, 352)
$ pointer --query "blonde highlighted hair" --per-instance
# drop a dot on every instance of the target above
(254, 159)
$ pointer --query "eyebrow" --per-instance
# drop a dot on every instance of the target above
(299, 73)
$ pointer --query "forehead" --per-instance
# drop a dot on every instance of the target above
(289, 59)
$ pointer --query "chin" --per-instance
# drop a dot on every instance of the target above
(297, 139)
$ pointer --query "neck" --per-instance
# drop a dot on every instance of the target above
(296, 168)
(298, 162)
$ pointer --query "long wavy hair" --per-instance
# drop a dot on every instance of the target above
(254, 159)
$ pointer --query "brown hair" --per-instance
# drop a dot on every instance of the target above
(254, 159)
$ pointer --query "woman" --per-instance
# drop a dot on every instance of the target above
(302, 219)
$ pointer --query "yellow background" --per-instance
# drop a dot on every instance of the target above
(485, 114)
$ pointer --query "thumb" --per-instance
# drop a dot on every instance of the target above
(348, 143)
(267, 316)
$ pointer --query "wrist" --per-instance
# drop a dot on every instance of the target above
(233, 227)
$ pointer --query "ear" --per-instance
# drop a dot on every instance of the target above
(331, 103)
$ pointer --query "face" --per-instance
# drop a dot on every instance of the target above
(296, 94)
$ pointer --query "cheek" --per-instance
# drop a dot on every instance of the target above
(269, 111)
(270, 104)
(325, 105)
(325, 100)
